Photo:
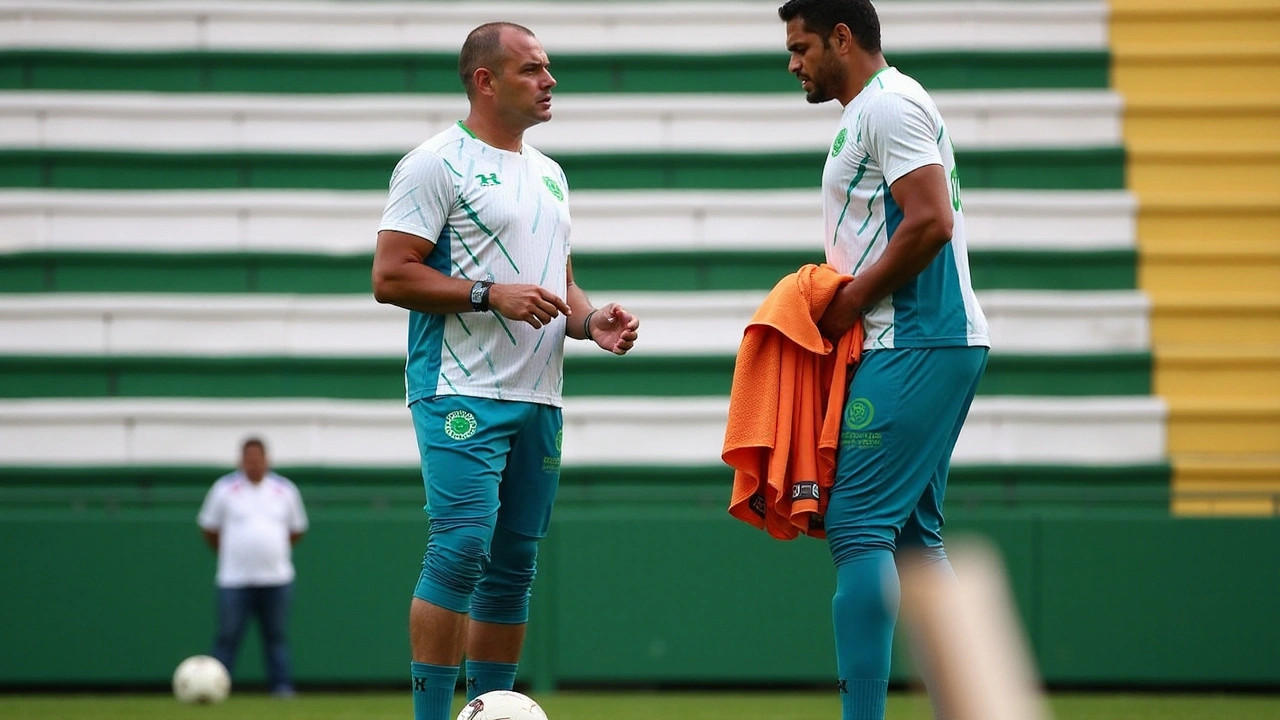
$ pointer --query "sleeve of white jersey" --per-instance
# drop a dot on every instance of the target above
(901, 135)
(297, 512)
(564, 183)
(422, 194)
(213, 510)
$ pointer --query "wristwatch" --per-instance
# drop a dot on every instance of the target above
(480, 295)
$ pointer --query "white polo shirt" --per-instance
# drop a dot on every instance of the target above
(254, 521)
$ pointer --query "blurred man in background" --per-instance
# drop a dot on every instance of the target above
(252, 518)
(474, 241)
(891, 200)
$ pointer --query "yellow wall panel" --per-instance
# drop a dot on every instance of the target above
(1194, 21)
(1191, 223)
(1224, 506)
(1204, 173)
(1214, 323)
(1249, 72)
(1223, 427)
(1219, 126)
(1162, 272)
(1217, 372)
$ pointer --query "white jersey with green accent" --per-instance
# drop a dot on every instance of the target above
(491, 214)
(890, 129)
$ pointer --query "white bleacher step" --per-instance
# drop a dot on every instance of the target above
(711, 323)
(346, 222)
(598, 431)
(582, 124)
(686, 27)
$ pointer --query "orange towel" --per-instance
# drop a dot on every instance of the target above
(785, 409)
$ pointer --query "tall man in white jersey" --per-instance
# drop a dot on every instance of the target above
(894, 220)
(474, 241)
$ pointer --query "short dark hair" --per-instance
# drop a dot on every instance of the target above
(483, 49)
(822, 16)
(253, 441)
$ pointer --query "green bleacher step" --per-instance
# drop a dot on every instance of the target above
(1120, 374)
(104, 489)
(402, 72)
(69, 271)
(1058, 169)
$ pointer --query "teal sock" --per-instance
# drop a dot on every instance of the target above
(864, 611)
(433, 687)
(485, 676)
(863, 699)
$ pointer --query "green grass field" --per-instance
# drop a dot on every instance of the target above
(620, 706)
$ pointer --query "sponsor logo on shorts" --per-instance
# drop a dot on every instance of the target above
(859, 414)
(460, 425)
(861, 440)
(550, 464)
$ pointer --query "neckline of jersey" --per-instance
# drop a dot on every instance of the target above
(467, 130)
(864, 85)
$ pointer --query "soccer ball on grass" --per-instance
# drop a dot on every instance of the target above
(201, 679)
(502, 705)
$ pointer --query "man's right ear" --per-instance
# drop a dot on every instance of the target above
(482, 80)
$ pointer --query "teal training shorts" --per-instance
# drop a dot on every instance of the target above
(494, 460)
(902, 417)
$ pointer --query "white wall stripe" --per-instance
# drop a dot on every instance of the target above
(563, 27)
(597, 431)
(583, 123)
(345, 222)
(355, 326)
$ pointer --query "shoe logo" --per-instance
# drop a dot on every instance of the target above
(554, 187)
(460, 425)
(859, 414)
(838, 145)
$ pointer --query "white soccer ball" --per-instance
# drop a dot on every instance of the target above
(502, 705)
(201, 679)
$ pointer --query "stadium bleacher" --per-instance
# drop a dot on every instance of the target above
(189, 191)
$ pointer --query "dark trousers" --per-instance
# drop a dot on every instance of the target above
(270, 605)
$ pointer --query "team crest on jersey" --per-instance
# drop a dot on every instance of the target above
(554, 187)
(460, 425)
(859, 414)
(838, 145)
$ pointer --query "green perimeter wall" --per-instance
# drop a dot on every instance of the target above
(639, 591)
